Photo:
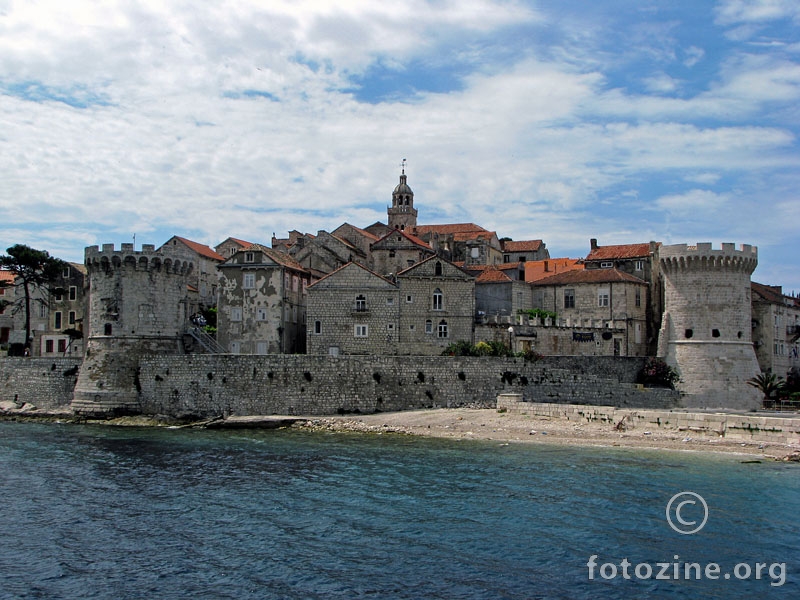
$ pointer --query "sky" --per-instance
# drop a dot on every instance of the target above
(562, 120)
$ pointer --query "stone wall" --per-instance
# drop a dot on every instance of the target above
(46, 383)
(211, 385)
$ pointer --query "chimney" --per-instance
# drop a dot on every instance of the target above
(593, 243)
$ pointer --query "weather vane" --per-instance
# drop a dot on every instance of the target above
(403, 164)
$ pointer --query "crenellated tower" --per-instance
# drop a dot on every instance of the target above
(402, 214)
(706, 325)
(138, 304)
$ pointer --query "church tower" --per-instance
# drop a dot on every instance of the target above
(402, 214)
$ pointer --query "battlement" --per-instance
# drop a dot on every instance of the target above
(704, 256)
(146, 259)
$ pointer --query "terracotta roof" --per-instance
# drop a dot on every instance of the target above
(500, 266)
(522, 246)
(242, 243)
(619, 252)
(535, 269)
(773, 294)
(493, 276)
(201, 249)
(590, 276)
(448, 229)
(6, 276)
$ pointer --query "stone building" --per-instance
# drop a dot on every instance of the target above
(776, 329)
(396, 251)
(437, 302)
(65, 314)
(706, 327)
(601, 311)
(6, 300)
(231, 246)
(262, 303)
(639, 260)
(353, 311)
(524, 251)
(326, 252)
(500, 294)
(420, 311)
(205, 276)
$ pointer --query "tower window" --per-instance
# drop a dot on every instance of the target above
(688, 333)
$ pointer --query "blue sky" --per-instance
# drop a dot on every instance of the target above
(625, 121)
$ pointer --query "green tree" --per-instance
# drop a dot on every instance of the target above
(767, 383)
(33, 270)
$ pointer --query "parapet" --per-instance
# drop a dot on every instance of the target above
(703, 255)
(146, 259)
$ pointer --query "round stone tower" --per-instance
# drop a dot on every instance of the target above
(138, 304)
(705, 330)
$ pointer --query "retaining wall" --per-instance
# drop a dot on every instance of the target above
(46, 383)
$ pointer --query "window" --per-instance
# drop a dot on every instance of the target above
(602, 297)
(437, 269)
(390, 327)
(305, 285)
(59, 294)
(295, 283)
(249, 257)
(65, 273)
(390, 302)
(409, 299)
(294, 314)
(361, 303)
(62, 345)
(639, 265)
(317, 327)
(569, 298)
(42, 311)
(107, 329)
(522, 259)
(249, 281)
(73, 293)
(391, 253)
(235, 347)
(437, 299)
(236, 313)
(638, 297)
(428, 326)
(57, 320)
(261, 347)
(71, 319)
(261, 313)
(48, 346)
(606, 265)
(361, 331)
(442, 331)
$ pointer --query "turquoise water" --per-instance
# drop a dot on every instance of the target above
(99, 512)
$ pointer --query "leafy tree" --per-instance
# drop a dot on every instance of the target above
(74, 335)
(767, 383)
(33, 270)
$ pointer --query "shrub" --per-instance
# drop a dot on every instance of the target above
(658, 373)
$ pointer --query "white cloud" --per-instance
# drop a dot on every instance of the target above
(756, 11)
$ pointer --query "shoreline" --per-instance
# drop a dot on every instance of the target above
(482, 424)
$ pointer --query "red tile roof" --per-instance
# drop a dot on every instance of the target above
(493, 276)
(500, 266)
(535, 269)
(619, 252)
(465, 236)
(773, 294)
(201, 249)
(411, 238)
(522, 246)
(6, 277)
(590, 276)
(449, 229)
(279, 257)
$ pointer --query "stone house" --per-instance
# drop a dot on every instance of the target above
(353, 311)
(6, 298)
(231, 246)
(642, 261)
(524, 251)
(397, 251)
(324, 253)
(600, 311)
(419, 312)
(360, 238)
(437, 301)
(205, 277)
(776, 329)
(262, 303)
(500, 295)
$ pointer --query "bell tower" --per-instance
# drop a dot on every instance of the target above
(402, 214)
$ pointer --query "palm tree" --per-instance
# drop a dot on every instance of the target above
(767, 383)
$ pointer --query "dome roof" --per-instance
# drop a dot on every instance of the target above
(402, 187)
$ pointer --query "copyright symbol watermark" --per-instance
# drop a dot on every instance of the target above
(685, 510)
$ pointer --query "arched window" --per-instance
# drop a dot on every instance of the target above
(428, 326)
(437, 299)
(442, 331)
(438, 268)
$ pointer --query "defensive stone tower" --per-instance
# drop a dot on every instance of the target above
(138, 304)
(705, 330)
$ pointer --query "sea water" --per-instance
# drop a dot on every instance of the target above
(101, 512)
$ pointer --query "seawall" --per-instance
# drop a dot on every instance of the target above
(211, 385)
(47, 383)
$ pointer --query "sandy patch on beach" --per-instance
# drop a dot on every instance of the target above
(489, 424)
